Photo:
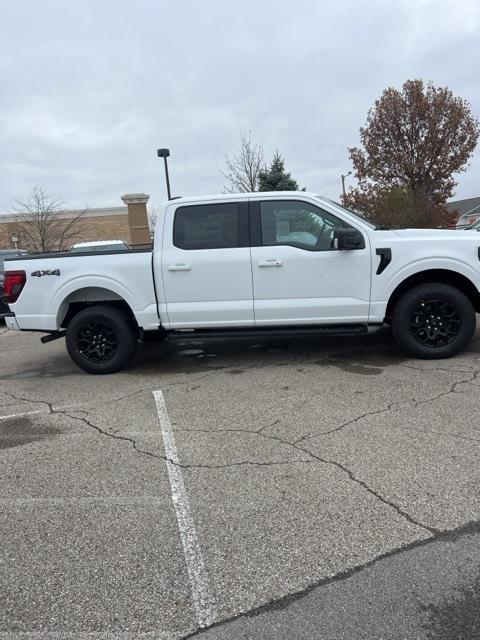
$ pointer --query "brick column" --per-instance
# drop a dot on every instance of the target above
(137, 217)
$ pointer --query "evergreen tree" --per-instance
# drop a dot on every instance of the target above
(275, 178)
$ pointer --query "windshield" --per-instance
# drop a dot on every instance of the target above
(475, 225)
(350, 212)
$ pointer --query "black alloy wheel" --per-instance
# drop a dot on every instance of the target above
(435, 323)
(97, 341)
(433, 320)
(102, 339)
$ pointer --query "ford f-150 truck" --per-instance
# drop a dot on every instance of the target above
(252, 263)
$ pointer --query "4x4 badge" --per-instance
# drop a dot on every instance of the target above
(46, 272)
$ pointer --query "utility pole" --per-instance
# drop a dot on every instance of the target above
(343, 182)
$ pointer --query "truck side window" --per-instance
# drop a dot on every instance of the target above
(209, 226)
(298, 224)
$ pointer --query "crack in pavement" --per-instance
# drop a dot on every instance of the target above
(90, 407)
(353, 420)
(429, 369)
(434, 533)
(404, 514)
(374, 493)
(295, 445)
(133, 442)
(175, 463)
(278, 604)
(416, 403)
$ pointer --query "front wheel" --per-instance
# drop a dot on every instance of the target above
(101, 339)
(433, 320)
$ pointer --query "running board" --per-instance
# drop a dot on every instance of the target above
(261, 332)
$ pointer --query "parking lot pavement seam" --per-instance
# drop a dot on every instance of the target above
(415, 403)
(277, 604)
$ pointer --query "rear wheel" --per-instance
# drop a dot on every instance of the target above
(433, 320)
(101, 339)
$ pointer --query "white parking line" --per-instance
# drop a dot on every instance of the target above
(24, 414)
(46, 412)
(203, 601)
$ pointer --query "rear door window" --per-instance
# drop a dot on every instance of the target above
(209, 226)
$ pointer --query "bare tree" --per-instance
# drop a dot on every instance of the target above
(152, 213)
(243, 168)
(41, 222)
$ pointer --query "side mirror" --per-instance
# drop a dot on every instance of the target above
(347, 239)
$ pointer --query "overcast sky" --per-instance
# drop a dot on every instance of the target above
(90, 89)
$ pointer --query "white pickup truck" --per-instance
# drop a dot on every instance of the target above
(229, 265)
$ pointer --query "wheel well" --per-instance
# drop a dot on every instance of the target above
(84, 298)
(444, 276)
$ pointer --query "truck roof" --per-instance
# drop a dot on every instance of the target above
(252, 195)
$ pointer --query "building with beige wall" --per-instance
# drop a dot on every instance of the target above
(128, 223)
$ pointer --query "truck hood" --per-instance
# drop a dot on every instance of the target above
(444, 234)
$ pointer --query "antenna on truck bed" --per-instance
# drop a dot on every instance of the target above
(164, 153)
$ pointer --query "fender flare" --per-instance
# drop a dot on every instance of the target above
(431, 264)
(91, 282)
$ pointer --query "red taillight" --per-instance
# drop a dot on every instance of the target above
(13, 285)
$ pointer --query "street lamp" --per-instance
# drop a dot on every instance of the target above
(164, 153)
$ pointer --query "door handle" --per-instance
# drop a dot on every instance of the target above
(179, 267)
(270, 263)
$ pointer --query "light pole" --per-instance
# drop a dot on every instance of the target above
(343, 182)
(164, 153)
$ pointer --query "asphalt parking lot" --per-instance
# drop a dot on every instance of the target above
(310, 488)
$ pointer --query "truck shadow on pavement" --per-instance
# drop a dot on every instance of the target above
(365, 355)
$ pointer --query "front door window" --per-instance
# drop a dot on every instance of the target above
(297, 224)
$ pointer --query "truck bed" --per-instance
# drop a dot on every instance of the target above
(56, 280)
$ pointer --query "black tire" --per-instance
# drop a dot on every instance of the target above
(433, 320)
(107, 351)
